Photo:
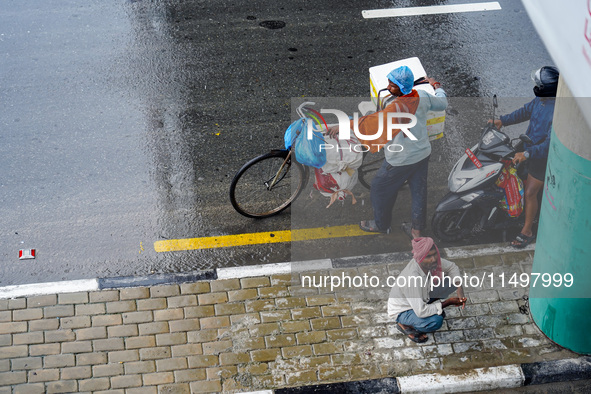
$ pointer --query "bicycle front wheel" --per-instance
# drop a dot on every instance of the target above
(267, 185)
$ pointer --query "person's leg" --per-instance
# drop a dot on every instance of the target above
(532, 188)
(421, 324)
(418, 191)
(384, 190)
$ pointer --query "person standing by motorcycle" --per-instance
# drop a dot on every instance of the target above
(539, 112)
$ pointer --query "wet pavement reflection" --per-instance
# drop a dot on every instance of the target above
(123, 123)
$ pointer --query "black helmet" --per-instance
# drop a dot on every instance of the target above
(546, 80)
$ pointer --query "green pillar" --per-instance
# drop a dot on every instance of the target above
(564, 234)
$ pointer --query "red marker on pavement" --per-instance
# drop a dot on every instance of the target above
(26, 254)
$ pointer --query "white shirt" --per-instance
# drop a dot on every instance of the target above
(414, 291)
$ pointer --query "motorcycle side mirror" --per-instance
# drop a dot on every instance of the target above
(495, 104)
(525, 139)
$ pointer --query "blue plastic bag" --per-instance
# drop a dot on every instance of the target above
(292, 132)
(308, 151)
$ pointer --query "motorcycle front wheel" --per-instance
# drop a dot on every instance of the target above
(452, 226)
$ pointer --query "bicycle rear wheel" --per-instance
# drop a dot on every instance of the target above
(267, 185)
(369, 167)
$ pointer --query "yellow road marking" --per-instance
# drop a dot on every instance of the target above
(223, 241)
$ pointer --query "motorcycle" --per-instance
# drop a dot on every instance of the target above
(474, 203)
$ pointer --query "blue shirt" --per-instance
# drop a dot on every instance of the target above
(539, 112)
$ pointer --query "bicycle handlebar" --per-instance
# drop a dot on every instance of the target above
(304, 104)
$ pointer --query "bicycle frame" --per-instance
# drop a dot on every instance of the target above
(276, 178)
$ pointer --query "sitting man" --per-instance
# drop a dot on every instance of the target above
(414, 300)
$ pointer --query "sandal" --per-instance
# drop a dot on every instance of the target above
(418, 339)
(413, 334)
(522, 240)
(407, 331)
(371, 227)
(407, 229)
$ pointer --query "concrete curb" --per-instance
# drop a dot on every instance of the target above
(73, 286)
(557, 371)
(480, 379)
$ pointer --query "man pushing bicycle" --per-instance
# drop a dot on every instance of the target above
(410, 161)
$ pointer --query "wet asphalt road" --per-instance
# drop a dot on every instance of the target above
(122, 123)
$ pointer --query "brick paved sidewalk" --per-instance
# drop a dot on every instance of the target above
(256, 333)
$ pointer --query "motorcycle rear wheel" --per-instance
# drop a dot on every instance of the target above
(445, 224)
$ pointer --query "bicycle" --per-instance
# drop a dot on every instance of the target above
(267, 185)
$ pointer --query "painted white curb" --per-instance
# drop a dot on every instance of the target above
(245, 272)
(258, 392)
(273, 269)
(253, 270)
(71, 286)
(463, 252)
(480, 379)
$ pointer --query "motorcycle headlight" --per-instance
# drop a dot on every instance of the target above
(455, 183)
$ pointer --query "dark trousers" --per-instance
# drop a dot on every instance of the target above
(384, 190)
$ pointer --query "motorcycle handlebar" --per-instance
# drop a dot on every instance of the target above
(517, 166)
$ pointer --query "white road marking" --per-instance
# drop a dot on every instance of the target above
(430, 10)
